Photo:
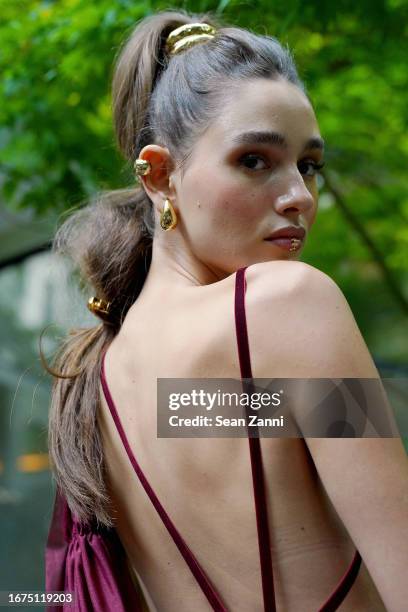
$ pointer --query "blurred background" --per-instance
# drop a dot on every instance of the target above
(57, 149)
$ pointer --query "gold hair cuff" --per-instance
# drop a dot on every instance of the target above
(187, 36)
(98, 306)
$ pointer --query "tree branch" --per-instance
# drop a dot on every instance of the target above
(369, 243)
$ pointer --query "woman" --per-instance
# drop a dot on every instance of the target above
(227, 147)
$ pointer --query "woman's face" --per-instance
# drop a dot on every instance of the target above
(237, 190)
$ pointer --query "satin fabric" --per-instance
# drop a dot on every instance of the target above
(89, 562)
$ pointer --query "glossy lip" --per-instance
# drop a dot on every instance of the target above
(290, 231)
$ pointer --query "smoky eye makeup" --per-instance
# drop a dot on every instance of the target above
(255, 162)
(314, 166)
(250, 160)
(254, 156)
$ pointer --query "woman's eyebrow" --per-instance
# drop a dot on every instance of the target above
(274, 138)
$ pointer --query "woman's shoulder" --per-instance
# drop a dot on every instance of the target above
(300, 313)
(265, 278)
(288, 289)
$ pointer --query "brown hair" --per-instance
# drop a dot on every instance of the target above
(156, 99)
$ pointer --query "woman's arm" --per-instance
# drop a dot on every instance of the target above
(365, 478)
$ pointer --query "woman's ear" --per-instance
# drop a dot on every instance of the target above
(157, 183)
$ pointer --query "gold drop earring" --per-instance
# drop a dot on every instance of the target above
(168, 217)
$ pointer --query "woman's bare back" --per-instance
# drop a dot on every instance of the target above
(205, 485)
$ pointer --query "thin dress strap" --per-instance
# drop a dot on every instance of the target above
(344, 586)
(347, 581)
(255, 452)
(196, 569)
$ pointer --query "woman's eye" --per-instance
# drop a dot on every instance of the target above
(252, 159)
(306, 167)
(309, 168)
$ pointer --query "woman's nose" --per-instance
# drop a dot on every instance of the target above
(295, 196)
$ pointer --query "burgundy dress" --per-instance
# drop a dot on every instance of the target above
(92, 563)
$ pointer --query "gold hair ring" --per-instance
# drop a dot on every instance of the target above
(187, 36)
(98, 306)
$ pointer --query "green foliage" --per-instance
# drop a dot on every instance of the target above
(56, 138)
(57, 145)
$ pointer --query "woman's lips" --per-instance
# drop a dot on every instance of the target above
(288, 244)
